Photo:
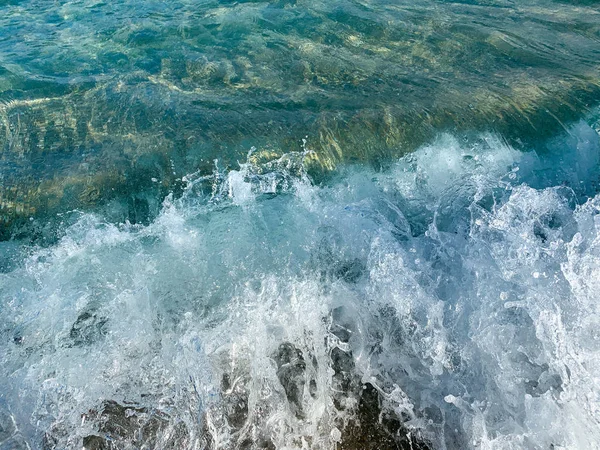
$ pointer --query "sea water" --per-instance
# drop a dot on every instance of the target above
(443, 295)
(462, 282)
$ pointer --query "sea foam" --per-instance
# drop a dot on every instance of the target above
(460, 286)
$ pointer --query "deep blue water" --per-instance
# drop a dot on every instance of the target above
(295, 224)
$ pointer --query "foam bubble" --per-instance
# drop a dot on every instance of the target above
(452, 291)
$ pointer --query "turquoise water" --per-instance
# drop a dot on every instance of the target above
(100, 98)
(351, 224)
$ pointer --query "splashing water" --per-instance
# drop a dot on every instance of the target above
(458, 288)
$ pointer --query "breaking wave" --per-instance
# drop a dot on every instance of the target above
(447, 302)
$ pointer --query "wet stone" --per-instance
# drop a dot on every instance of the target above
(372, 425)
(10, 436)
(88, 329)
(7, 425)
(345, 380)
(235, 401)
(350, 271)
(94, 442)
(291, 369)
(121, 426)
(15, 443)
(374, 429)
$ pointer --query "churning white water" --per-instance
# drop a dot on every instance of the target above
(462, 285)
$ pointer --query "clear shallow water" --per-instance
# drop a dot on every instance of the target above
(299, 225)
(461, 284)
(99, 98)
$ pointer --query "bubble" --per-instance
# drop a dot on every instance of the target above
(263, 306)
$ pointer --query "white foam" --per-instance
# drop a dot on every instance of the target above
(465, 278)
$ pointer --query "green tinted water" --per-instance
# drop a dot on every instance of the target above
(119, 100)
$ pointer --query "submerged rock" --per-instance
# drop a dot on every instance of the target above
(130, 426)
(87, 329)
(93, 442)
(291, 373)
(367, 422)
(10, 436)
(375, 429)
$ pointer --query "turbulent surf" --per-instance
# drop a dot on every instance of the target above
(299, 225)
